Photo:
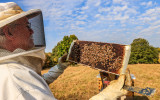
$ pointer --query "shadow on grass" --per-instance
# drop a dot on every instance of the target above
(140, 98)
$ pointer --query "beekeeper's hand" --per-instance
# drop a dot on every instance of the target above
(62, 63)
(57, 70)
(115, 89)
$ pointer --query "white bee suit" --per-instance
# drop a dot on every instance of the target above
(22, 44)
(19, 81)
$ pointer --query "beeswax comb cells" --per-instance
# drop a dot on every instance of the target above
(108, 57)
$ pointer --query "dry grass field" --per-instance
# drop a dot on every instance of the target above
(80, 83)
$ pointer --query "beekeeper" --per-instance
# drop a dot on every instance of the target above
(22, 45)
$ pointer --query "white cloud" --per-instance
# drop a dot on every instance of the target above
(104, 9)
(131, 11)
(122, 2)
(82, 17)
(80, 22)
(120, 13)
(117, 1)
(97, 15)
(150, 11)
(146, 19)
(92, 3)
(139, 27)
(98, 2)
(120, 17)
(143, 3)
(156, 23)
(150, 15)
(85, 7)
(147, 4)
(107, 2)
(150, 30)
(119, 9)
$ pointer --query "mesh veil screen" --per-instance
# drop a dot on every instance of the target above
(38, 29)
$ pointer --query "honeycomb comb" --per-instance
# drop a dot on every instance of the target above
(107, 57)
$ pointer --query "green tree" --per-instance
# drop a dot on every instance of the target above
(48, 62)
(61, 48)
(159, 54)
(142, 52)
(158, 50)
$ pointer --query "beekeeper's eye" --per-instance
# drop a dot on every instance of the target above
(28, 25)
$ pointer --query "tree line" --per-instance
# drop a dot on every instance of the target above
(141, 52)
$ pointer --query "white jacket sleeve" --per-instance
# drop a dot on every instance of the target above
(52, 74)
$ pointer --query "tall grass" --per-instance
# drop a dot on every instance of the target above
(80, 83)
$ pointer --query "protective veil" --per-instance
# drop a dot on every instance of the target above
(20, 32)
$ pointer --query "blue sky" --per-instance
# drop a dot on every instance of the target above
(112, 21)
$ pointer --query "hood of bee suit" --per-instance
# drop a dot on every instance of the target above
(10, 15)
(24, 46)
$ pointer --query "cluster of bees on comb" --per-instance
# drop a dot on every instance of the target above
(97, 55)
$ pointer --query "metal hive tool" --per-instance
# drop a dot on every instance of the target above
(107, 57)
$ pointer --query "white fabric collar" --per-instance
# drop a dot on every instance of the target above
(25, 58)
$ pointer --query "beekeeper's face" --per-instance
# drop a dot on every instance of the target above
(21, 34)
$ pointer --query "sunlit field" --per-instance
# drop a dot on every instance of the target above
(81, 83)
